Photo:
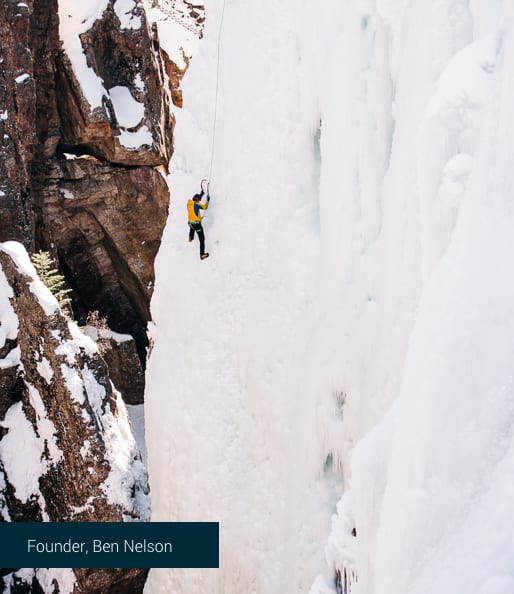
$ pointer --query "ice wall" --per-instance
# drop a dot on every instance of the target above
(360, 165)
(430, 489)
(235, 428)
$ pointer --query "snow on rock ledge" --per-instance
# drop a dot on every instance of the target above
(113, 85)
(61, 415)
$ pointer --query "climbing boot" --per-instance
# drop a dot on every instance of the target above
(203, 256)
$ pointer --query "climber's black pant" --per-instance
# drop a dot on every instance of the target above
(201, 236)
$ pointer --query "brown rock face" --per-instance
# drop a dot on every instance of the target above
(120, 353)
(29, 126)
(17, 121)
(105, 238)
(56, 386)
(106, 235)
(125, 370)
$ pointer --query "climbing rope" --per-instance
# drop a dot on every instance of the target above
(217, 90)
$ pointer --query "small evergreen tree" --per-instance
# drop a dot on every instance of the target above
(48, 273)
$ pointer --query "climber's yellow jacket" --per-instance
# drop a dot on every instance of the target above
(193, 209)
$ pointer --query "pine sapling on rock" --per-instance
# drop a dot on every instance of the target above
(48, 273)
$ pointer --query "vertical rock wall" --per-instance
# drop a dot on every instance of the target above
(17, 121)
(66, 449)
(83, 179)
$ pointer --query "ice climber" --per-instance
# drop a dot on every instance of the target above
(195, 220)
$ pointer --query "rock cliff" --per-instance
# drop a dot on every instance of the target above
(87, 130)
(102, 216)
(86, 121)
(80, 461)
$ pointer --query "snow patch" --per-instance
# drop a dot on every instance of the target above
(64, 577)
(24, 477)
(95, 391)
(76, 18)
(45, 426)
(4, 510)
(22, 78)
(74, 383)
(134, 140)
(139, 82)
(56, 334)
(12, 359)
(23, 264)
(124, 10)
(71, 348)
(67, 194)
(106, 333)
(84, 450)
(175, 39)
(129, 111)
